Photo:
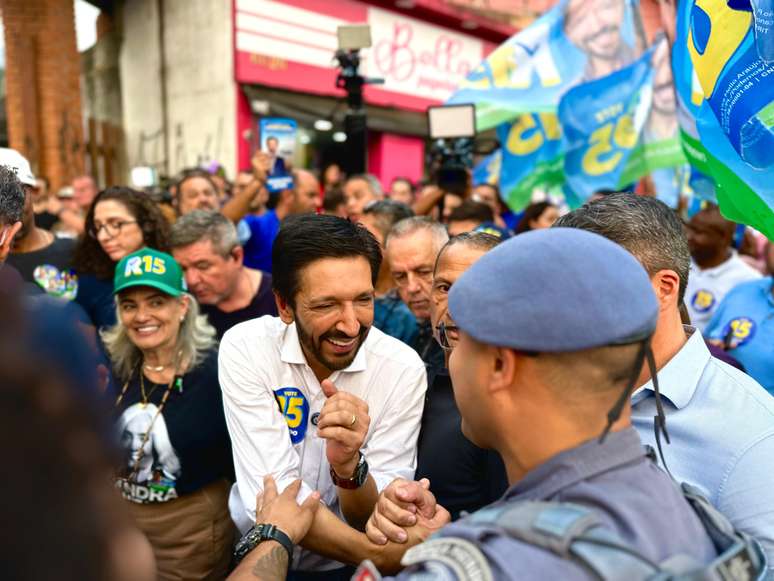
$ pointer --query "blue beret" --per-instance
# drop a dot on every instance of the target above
(555, 290)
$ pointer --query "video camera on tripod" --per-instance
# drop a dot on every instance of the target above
(351, 39)
(450, 156)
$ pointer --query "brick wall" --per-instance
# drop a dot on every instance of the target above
(43, 98)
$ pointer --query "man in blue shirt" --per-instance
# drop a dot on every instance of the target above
(302, 199)
(744, 326)
(720, 421)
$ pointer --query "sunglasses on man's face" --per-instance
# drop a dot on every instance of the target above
(443, 337)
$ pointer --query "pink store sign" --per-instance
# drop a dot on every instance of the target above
(291, 44)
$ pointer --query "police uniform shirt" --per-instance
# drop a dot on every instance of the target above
(634, 497)
(707, 287)
(463, 477)
(272, 400)
(721, 427)
(747, 316)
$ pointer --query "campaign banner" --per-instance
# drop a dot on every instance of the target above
(736, 82)
(278, 141)
(726, 108)
(574, 42)
(620, 128)
(531, 157)
(602, 122)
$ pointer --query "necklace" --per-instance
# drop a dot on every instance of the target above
(177, 383)
(145, 397)
(156, 368)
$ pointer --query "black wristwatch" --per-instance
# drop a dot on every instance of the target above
(358, 478)
(256, 535)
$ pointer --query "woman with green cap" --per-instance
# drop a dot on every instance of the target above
(169, 418)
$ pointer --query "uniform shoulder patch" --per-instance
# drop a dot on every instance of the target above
(464, 558)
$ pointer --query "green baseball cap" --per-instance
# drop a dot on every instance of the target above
(148, 267)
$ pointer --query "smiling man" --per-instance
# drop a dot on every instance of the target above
(319, 394)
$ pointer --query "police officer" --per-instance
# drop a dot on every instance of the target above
(554, 327)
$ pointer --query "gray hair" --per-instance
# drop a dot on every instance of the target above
(473, 240)
(646, 227)
(373, 182)
(195, 338)
(387, 213)
(205, 225)
(11, 197)
(409, 226)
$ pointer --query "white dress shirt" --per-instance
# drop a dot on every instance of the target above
(707, 287)
(262, 366)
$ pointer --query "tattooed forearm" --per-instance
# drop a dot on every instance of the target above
(272, 563)
(267, 562)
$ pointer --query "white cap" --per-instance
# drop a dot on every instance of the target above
(19, 164)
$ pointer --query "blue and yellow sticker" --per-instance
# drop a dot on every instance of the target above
(742, 330)
(703, 301)
(295, 409)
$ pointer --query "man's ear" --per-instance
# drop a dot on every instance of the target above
(666, 285)
(285, 311)
(8, 233)
(238, 254)
(504, 368)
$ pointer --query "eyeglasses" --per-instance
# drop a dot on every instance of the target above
(112, 228)
(443, 337)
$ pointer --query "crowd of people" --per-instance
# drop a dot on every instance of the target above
(337, 380)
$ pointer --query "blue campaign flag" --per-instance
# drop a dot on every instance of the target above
(531, 157)
(736, 82)
(602, 121)
(729, 135)
(576, 41)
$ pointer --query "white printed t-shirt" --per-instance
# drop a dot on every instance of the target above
(706, 288)
(262, 367)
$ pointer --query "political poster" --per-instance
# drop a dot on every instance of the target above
(575, 42)
(602, 121)
(278, 141)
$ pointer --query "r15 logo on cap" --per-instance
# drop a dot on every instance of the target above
(136, 265)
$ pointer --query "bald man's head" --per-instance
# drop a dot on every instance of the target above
(306, 192)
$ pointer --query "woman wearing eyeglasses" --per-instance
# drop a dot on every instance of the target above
(120, 221)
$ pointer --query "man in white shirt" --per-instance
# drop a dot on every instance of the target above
(318, 394)
(716, 268)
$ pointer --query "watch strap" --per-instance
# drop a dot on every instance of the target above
(272, 533)
(356, 480)
(258, 534)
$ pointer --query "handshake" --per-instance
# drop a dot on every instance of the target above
(406, 513)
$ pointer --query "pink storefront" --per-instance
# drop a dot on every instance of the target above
(284, 67)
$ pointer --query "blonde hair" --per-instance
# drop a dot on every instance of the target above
(195, 337)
